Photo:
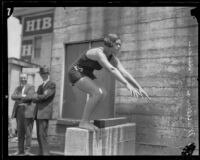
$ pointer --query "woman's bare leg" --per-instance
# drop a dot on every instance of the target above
(95, 94)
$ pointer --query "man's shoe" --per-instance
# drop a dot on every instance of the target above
(21, 154)
(29, 154)
(14, 139)
(17, 154)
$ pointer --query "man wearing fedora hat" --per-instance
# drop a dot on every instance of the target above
(44, 109)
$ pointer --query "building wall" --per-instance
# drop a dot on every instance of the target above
(160, 50)
(161, 53)
(13, 74)
(13, 81)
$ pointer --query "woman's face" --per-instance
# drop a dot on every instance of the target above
(117, 46)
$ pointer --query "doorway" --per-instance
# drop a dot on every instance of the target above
(73, 99)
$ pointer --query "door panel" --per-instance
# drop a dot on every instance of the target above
(74, 100)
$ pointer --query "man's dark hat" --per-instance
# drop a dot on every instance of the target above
(44, 69)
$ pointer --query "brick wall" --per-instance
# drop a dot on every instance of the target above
(160, 50)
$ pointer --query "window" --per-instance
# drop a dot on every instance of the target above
(37, 47)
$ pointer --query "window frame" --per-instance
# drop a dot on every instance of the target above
(37, 50)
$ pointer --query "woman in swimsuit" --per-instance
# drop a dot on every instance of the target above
(81, 75)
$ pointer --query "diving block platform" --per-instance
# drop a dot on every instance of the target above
(111, 140)
(102, 123)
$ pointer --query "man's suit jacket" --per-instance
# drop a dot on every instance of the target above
(44, 100)
(29, 107)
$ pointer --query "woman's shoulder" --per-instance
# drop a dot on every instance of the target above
(95, 50)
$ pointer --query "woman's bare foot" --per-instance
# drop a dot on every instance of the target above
(95, 127)
(88, 126)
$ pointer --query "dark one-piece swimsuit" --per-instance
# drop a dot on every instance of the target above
(83, 67)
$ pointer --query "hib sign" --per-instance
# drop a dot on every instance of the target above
(38, 24)
(26, 50)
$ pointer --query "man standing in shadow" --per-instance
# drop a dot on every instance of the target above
(44, 109)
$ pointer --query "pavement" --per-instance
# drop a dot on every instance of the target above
(54, 149)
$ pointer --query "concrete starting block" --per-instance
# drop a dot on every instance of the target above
(113, 140)
(102, 123)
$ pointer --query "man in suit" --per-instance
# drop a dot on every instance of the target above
(44, 108)
(24, 111)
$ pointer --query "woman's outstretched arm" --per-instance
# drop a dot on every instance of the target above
(129, 77)
(102, 59)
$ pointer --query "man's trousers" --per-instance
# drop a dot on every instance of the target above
(24, 130)
(42, 136)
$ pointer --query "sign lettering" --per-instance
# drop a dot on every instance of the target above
(38, 24)
(26, 51)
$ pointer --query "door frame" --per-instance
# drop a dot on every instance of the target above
(63, 72)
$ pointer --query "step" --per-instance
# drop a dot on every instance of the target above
(102, 123)
(57, 153)
(113, 140)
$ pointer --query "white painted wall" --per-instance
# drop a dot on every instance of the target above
(14, 37)
(14, 82)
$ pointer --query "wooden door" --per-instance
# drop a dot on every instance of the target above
(73, 99)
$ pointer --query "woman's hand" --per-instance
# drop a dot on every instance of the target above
(134, 92)
(143, 93)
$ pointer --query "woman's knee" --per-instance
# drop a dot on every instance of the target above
(97, 93)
